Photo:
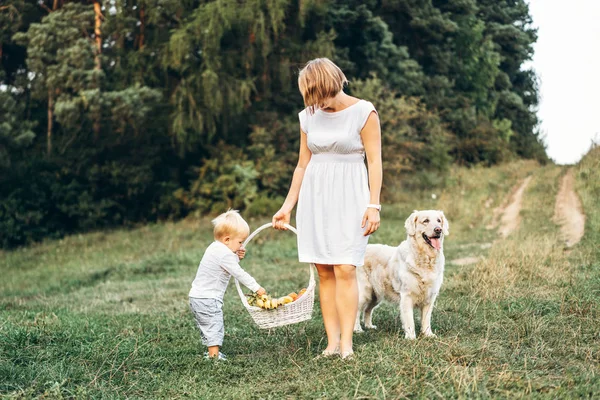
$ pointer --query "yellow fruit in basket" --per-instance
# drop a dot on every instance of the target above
(260, 303)
(274, 303)
(293, 295)
(268, 304)
(264, 297)
(302, 291)
(287, 299)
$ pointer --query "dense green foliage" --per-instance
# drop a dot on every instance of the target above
(138, 110)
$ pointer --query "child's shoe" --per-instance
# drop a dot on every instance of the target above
(220, 357)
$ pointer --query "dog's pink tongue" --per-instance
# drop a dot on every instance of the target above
(437, 243)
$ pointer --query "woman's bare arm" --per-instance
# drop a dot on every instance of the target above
(371, 137)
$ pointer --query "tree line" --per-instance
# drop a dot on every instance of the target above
(114, 112)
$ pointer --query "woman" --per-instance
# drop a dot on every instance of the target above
(338, 205)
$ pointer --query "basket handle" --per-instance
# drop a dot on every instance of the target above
(262, 228)
(311, 281)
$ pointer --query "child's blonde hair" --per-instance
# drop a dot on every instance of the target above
(230, 223)
(319, 80)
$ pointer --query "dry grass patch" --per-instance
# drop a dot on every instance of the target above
(531, 265)
(473, 193)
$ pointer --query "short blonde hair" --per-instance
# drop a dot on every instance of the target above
(319, 80)
(230, 223)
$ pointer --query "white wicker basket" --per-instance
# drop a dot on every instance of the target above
(291, 313)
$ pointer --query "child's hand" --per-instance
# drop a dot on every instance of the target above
(241, 253)
(261, 291)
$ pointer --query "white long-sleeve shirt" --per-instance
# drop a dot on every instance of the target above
(217, 266)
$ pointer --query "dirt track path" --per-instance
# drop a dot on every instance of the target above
(511, 219)
(506, 216)
(568, 211)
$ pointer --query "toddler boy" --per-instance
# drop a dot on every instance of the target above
(219, 263)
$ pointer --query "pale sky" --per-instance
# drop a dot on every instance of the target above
(567, 60)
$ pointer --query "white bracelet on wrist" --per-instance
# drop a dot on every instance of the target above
(376, 206)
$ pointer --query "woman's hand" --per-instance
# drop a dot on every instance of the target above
(281, 217)
(370, 221)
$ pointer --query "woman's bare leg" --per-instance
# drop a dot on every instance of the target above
(327, 295)
(346, 299)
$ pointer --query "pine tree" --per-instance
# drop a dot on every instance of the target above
(59, 50)
(64, 53)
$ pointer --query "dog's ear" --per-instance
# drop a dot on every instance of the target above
(411, 223)
(445, 224)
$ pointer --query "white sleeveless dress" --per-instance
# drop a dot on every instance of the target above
(335, 189)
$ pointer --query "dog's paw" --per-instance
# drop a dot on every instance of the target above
(429, 334)
(371, 326)
(410, 336)
(358, 330)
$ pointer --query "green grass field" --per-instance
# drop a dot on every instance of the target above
(105, 315)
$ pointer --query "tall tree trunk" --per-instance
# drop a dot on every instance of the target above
(98, 64)
(98, 32)
(142, 27)
(50, 122)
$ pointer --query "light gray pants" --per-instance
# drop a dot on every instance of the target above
(208, 314)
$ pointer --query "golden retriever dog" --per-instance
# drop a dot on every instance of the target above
(409, 275)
